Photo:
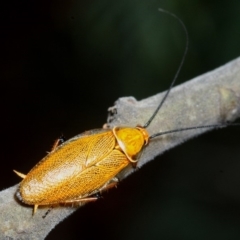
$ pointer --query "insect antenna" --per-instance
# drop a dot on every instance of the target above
(171, 86)
(215, 126)
(178, 70)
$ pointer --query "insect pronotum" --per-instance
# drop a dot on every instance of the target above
(79, 169)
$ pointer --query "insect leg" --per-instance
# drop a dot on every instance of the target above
(47, 212)
(35, 208)
(58, 142)
(20, 174)
(80, 199)
(110, 184)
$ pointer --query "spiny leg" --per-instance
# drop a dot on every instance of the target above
(20, 174)
(47, 212)
(35, 208)
(58, 142)
(110, 184)
(79, 200)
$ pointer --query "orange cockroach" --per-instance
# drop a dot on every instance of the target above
(79, 169)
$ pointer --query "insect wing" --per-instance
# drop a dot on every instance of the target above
(78, 168)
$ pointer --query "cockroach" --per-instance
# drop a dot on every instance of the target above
(77, 170)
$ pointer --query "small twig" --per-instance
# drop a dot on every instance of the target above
(212, 98)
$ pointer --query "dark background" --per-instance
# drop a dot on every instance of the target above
(63, 63)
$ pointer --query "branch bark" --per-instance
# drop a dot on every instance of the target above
(211, 98)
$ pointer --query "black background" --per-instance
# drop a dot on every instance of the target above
(63, 63)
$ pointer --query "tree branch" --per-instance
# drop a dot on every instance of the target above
(212, 98)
